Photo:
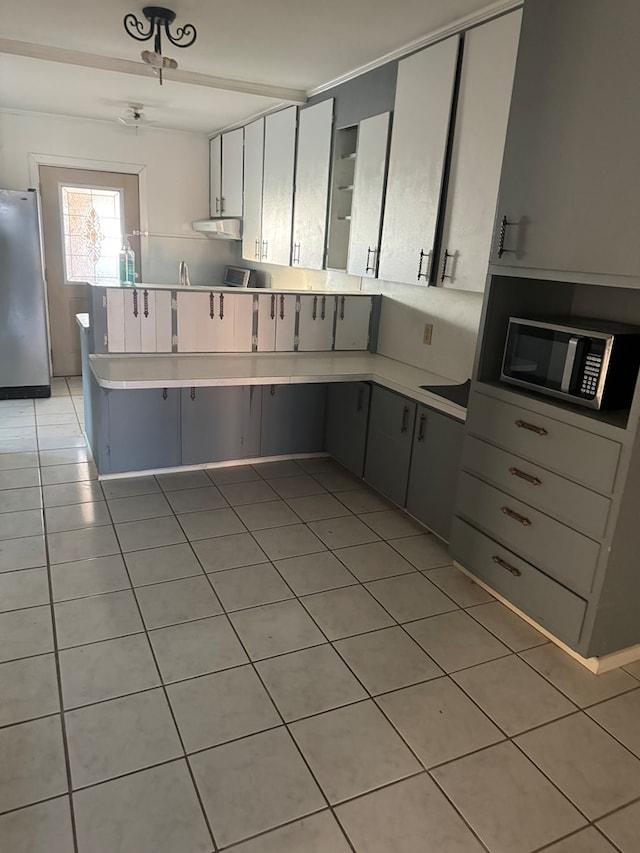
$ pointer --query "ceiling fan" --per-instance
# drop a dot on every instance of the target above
(134, 116)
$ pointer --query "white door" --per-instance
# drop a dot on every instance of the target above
(231, 189)
(416, 162)
(155, 321)
(215, 175)
(488, 67)
(235, 322)
(277, 199)
(253, 169)
(315, 330)
(115, 319)
(368, 190)
(352, 322)
(312, 185)
(197, 321)
(267, 309)
(286, 313)
(84, 215)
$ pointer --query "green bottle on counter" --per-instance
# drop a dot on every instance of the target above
(127, 265)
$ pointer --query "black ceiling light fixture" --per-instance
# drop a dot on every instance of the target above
(159, 18)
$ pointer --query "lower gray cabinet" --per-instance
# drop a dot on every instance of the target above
(389, 440)
(142, 429)
(220, 423)
(292, 419)
(435, 460)
(346, 420)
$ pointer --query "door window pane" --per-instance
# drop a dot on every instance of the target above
(92, 229)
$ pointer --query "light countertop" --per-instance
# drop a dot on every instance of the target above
(131, 371)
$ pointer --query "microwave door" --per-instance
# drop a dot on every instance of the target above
(536, 355)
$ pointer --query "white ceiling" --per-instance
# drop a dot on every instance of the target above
(270, 45)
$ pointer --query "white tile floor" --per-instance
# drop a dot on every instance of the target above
(273, 660)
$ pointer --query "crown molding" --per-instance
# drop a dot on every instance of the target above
(50, 53)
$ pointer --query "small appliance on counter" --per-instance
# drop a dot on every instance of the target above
(244, 277)
(592, 363)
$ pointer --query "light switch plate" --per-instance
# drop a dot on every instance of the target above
(428, 332)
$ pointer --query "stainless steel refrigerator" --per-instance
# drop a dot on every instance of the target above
(24, 343)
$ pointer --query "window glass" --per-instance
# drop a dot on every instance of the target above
(92, 233)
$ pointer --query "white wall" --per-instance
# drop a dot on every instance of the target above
(174, 180)
(455, 315)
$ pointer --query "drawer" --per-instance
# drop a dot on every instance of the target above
(555, 548)
(556, 496)
(575, 453)
(547, 602)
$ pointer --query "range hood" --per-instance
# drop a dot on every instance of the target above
(220, 229)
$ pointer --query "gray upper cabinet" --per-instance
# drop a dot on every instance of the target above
(437, 446)
(220, 423)
(346, 423)
(390, 435)
(569, 199)
(277, 186)
(312, 185)
(292, 419)
(416, 162)
(484, 94)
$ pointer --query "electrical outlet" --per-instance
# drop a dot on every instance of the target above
(428, 332)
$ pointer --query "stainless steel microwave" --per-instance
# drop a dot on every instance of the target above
(592, 363)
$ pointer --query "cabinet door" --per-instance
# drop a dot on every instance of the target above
(416, 161)
(215, 175)
(315, 328)
(312, 185)
(389, 439)
(435, 461)
(345, 432)
(368, 190)
(484, 95)
(352, 322)
(144, 429)
(253, 168)
(286, 312)
(220, 423)
(231, 189)
(292, 419)
(267, 309)
(569, 185)
(115, 319)
(197, 322)
(132, 299)
(277, 198)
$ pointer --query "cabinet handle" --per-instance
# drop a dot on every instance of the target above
(257, 250)
(145, 303)
(371, 267)
(531, 427)
(443, 274)
(423, 420)
(282, 307)
(424, 274)
(221, 204)
(212, 310)
(265, 246)
(314, 313)
(295, 256)
(135, 303)
(217, 205)
(323, 311)
(193, 393)
(342, 307)
(515, 516)
(405, 419)
(528, 477)
(273, 306)
(504, 565)
(360, 403)
(504, 224)
(165, 393)
(221, 298)
(273, 390)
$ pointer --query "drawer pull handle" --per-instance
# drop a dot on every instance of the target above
(528, 477)
(221, 296)
(423, 420)
(323, 311)
(165, 393)
(504, 565)
(145, 302)
(135, 303)
(342, 307)
(515, 516)
(193, 393)
(211, 306)
(314, 313)
(531, 427)
(405, 419)
(273, 306)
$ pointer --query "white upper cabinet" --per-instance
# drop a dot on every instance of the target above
(484, 95)
(368, 191)
(253, 169)
(232, 170)
(225, 173)
(569, 191)
(277, 195)
(416, 162)
(312, 185)
(215, 175)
